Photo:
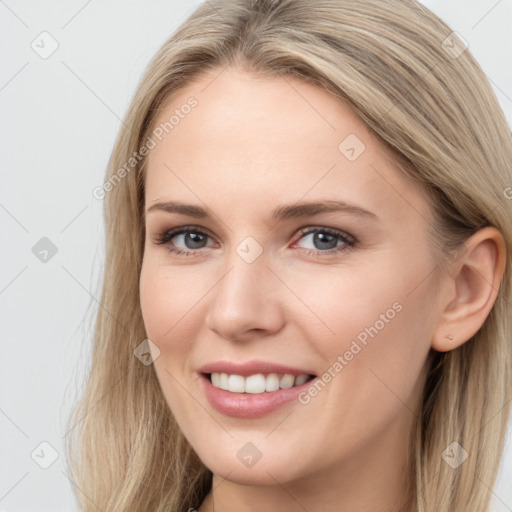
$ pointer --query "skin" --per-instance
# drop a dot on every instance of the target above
(250, 145)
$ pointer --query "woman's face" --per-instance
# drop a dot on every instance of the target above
(298, 250)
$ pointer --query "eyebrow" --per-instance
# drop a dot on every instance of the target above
(281, 213)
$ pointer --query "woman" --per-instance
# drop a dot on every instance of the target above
(307, 292)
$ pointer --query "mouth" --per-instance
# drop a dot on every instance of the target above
(253, 389)
(257, 383)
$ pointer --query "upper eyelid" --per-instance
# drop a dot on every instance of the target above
(199, 229)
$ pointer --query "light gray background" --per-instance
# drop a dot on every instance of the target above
(59, 119)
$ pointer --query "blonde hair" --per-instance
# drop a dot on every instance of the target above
(391, 62)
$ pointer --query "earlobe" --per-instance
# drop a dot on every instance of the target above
(473, 285)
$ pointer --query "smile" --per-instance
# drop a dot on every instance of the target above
(257, 383)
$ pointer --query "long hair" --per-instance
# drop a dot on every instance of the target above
(412, 81)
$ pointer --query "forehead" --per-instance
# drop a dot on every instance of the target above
(253, 141)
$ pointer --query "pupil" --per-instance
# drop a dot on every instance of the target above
(195, 240)
(320, 239)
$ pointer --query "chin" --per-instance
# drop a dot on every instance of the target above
(243, 463)
(261, 474)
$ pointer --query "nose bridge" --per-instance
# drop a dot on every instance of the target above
(246, 298)
(247, 279)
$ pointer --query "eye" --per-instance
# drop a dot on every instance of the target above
(322, 240)
(189, 237)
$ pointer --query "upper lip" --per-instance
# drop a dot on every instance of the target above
(252, 368)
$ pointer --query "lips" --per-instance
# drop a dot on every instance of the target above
(252, 389)
(252, 368)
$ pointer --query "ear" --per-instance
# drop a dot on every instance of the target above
(471, 289)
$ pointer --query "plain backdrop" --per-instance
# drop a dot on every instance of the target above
(60, 115)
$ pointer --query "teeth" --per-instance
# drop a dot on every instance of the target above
(216, 380)
(255, 384)
(286, 381)
(223, 381)
(236, 384)
(272, 383)
(301, 379)
(258, 383)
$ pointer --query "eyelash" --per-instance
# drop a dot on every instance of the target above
(349, 241)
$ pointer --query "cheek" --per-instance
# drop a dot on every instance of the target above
(374, 361)
(373, 330)
(169, 300)
(345, 304)
(168, 304)
(387, 299)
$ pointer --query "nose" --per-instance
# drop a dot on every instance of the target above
(246, 302)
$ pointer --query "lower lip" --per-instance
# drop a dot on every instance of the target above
(247, 405)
